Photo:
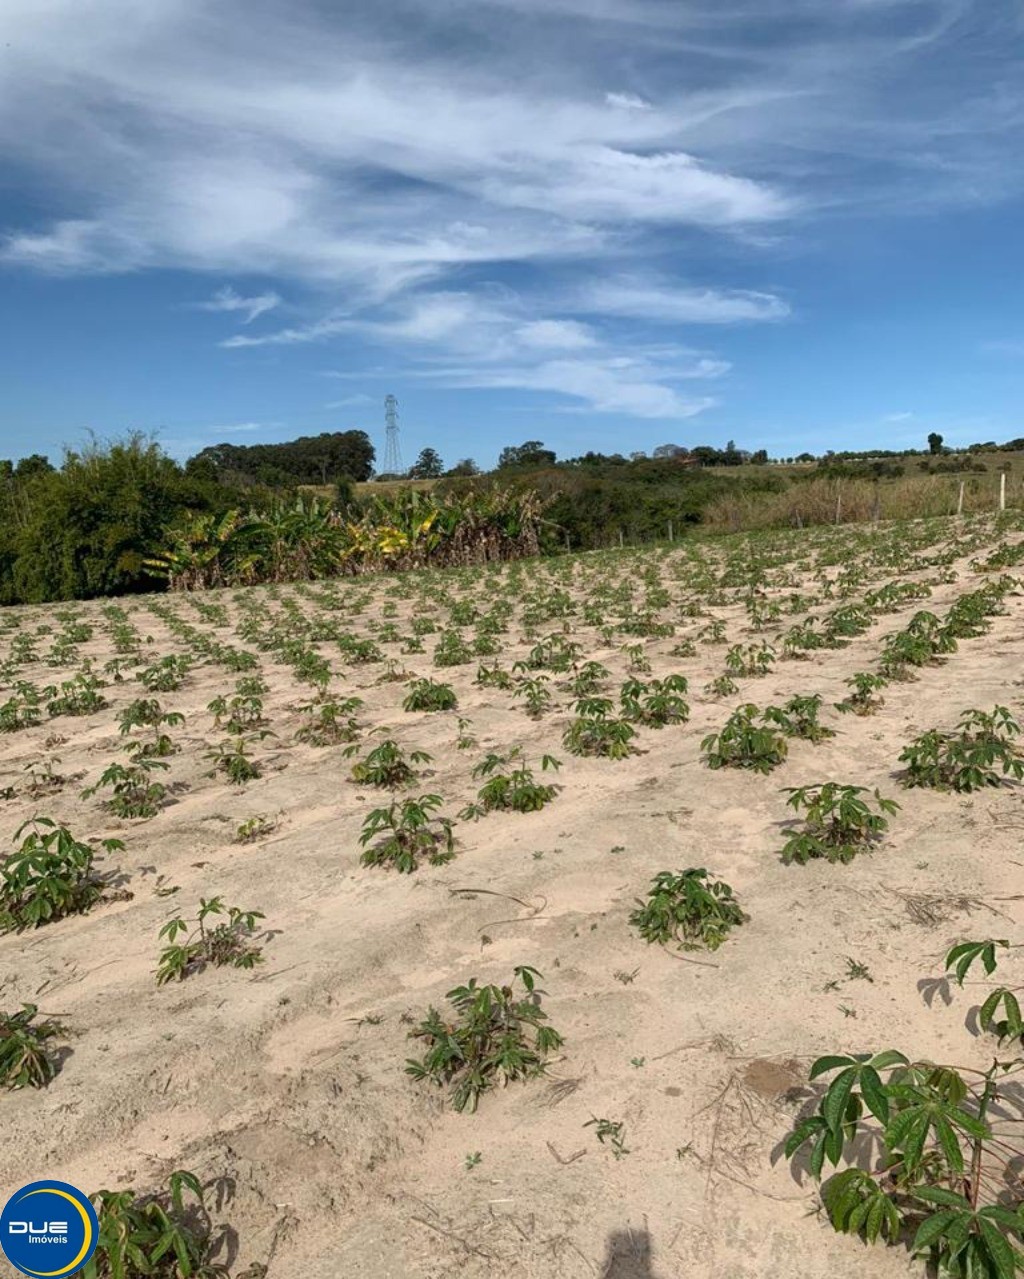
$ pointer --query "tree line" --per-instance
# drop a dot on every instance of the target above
(88, 526)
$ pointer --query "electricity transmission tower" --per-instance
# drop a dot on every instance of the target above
(392, 450)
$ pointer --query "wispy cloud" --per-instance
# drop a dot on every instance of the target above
(606, 385)
(386, 174)
(627, 101)
(228, 301)
(679, 304)
(579, 364)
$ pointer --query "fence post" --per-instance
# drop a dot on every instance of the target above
(960, 500)
(1002, 491)
(670, 537)
(621, 540)
(839, 504)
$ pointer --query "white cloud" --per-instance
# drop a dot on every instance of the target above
(610, 185)
(660, 301)
(316, 331)
(557, 335)
(627, 101)
(600, 386)
(385, 173)
(192, 136)
(252, 308)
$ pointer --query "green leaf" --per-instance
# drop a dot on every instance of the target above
(999, 1249)
(875, 1219)
(824, 1064)
(890, 1057)
(874, 1094)
(833, 1107)
(914, 1139)
(939, 1195)
(932, 1228)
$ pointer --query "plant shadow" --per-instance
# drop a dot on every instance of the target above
(628, 1255)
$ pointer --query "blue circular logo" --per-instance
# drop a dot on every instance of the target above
(48, 1229)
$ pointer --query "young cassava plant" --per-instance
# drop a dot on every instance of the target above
(428, 695)
(49, 876)
(515, 790)
(497, 1036)
(160, 1236)
(838, 822)
(25, 1058)
(948, 1140)
(407, 832)
(744, 743)
(981, 752)
(691, 908)
(229, 942)
(387, 765)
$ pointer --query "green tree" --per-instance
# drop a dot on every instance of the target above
(86, 529)
(934, 442)
(428, 466)
(311, 459)
(34, 464)
(530, 454)
(464, 467)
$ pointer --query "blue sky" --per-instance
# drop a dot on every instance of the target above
(605, 224)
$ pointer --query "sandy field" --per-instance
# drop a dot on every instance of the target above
(283, 1087)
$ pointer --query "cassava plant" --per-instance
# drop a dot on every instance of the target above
(656, 703)
(749, 660)
(690, 908)
(745, 743)
(146, 712)
(254, 828)
(863, 697)
(838, 822)
(534, 691)
(511, 785)
(167, 674)
(133, 792)
(427, 695)
(160, 1236)
(25, 1058)
(387, 765)
(595, 731)
(329, 721)
(799, 718)
(497, 1036)
(232, 757)
(227, 942)
(77, 696)
(49, 876)
(948, 1139)
(406, 833)
(982, 751)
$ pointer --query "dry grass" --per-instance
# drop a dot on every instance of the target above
(846, 501)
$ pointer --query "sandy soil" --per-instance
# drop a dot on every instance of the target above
(285, 1086)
